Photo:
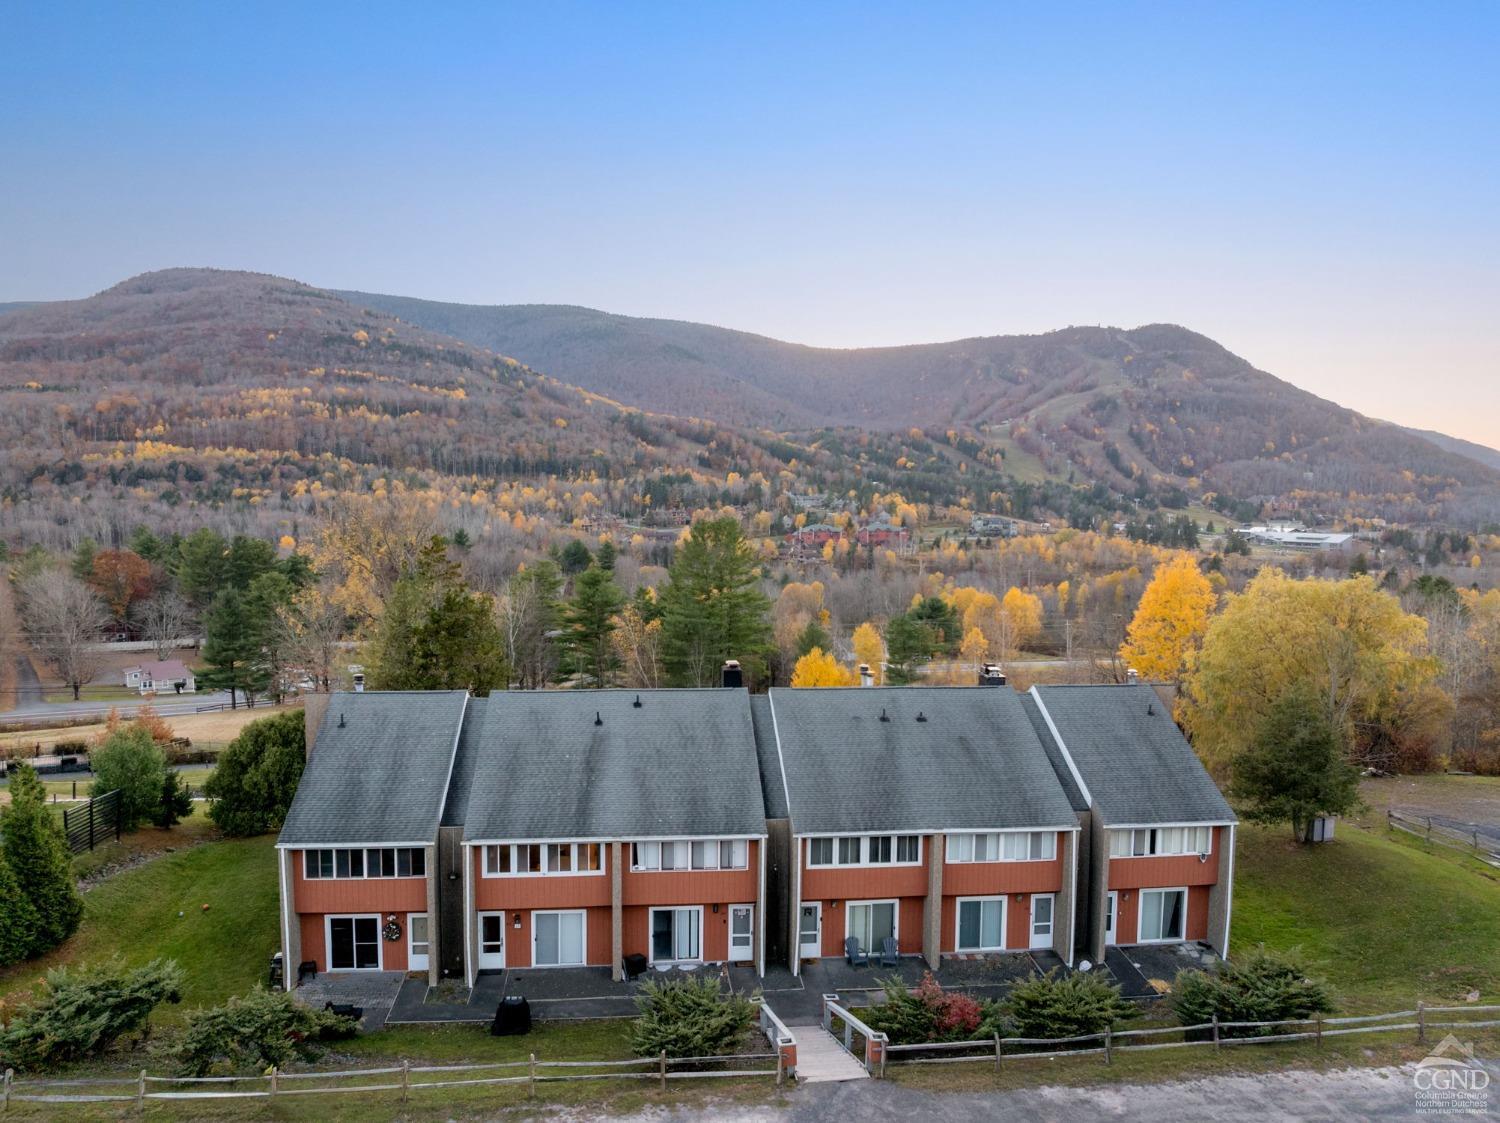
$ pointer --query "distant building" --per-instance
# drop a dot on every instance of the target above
(993, 526)
(169, 676)
(1299, 538)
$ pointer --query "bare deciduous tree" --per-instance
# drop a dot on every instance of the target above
(65, 622)
(164, 619)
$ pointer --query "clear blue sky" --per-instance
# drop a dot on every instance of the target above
(1315, 185)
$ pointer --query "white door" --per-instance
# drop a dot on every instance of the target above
(741, 933)
(491, 941)
(810, 931)
(419, 946)
(557, 939)
(1041, 920)
(1111, 910)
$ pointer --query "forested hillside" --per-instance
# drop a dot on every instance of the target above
(1144, 411)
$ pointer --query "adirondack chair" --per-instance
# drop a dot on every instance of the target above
(890, 954)
(853, 955)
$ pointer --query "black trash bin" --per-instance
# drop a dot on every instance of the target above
(512, 1017)
(635, 964)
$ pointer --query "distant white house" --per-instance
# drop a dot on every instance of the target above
(170, 676)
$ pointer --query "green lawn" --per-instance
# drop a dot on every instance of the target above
(63, 695)
(1386, 921)
(223, 950)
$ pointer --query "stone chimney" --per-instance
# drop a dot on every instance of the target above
(866, 676)
(733, 676)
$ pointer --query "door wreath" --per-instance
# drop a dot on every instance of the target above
(392, 930)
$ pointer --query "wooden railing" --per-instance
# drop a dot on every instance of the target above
(1215, 1034)
(872, 1043)
(780, 1037)
(403, 1078)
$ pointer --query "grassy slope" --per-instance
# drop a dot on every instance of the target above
(1386, 921)
(224, 951)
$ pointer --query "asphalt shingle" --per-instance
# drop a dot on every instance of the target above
(974, 763)
(379, 769)
(592, 764)
(1134, 760)
(771, 782)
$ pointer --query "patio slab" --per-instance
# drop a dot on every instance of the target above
(373, 991)
(1135, 968)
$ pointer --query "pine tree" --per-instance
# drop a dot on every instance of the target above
(234, 648)
(176, 801)
(18, 920)
(589, 623)
(712, 608)
(37, 855)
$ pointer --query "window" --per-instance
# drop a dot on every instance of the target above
(676, 935)
(542, 859)
(353, 943)
(557, 939)
(1163, 914)
(698, 854)
(1155, 841)
(865, 850)
(1010, 846)
(871, 922)
(401, 861)
(981, 924)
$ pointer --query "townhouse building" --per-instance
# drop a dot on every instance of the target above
(440, 833)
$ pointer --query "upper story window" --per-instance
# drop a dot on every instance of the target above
(691, 854)
(865, 850)
(1155, 841)
(542, 859)
(1003, 846)
(386, 861)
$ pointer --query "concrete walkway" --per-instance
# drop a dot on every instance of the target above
(821, 1059)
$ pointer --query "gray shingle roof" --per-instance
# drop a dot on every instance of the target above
(771, 781)
(974, 764)
(380, 776)
(682, 763)
(1134, 760)
(1054, 754)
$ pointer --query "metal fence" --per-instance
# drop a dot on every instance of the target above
(1214, 1034)
(93, 822)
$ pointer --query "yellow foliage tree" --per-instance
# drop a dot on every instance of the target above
(1170, 621)
(975, 648)
(869, 648)
(1020, 621)
(818, 668)
(1349, 642)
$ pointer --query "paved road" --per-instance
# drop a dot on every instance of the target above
(30, 706)
(1353, 1094)
(28, 684)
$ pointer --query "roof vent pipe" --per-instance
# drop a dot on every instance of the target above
(883, 715)
(341, 721)
(921, 716)
(598, 720)
(637, 703)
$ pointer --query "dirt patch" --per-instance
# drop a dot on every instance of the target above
(1471, 799)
